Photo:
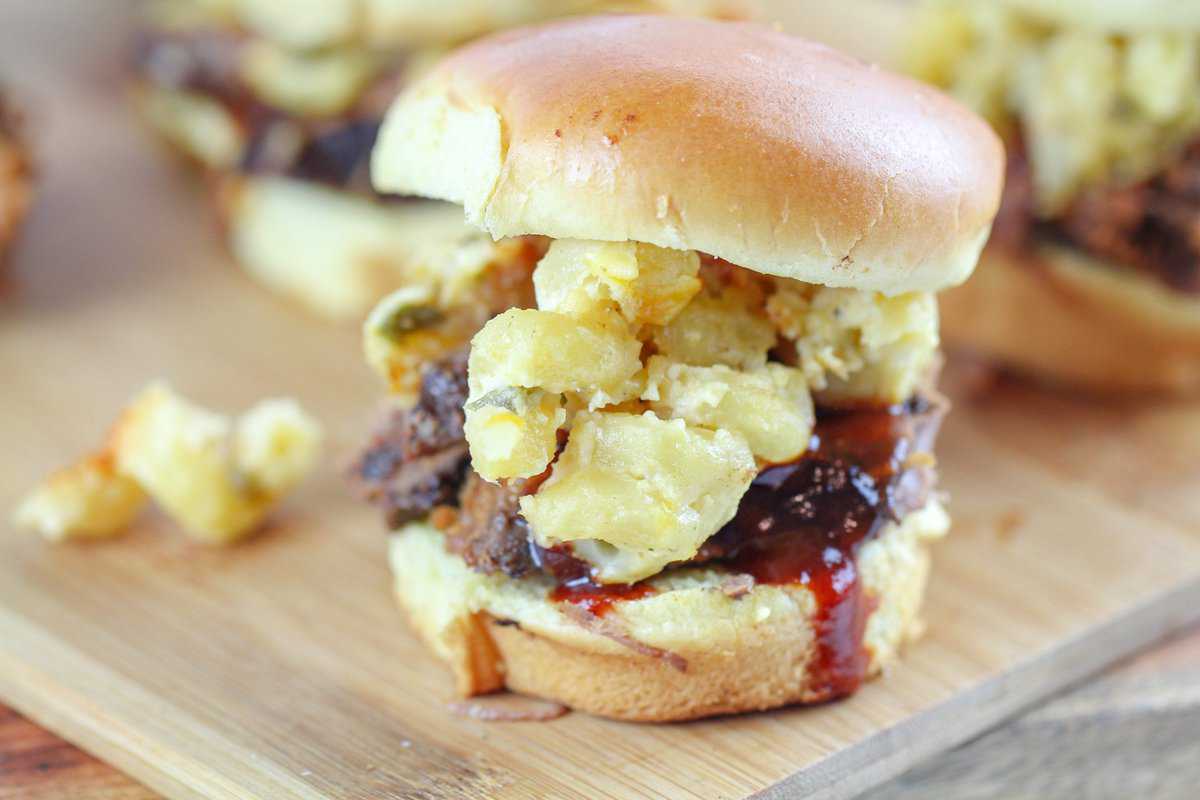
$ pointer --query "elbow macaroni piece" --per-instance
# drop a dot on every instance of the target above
(666, 393)
(407, 330)
(276, 444)
(770, 407)
(1093, 105)
(634, 492)
(531, 348)
(190, 460)
(217, 478)
(307, 84)
(858, 345)
(717, 330)
(87, 500)
(513, 433)
(646, 284)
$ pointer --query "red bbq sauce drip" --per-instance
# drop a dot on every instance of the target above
(599, 598)
(803, 523)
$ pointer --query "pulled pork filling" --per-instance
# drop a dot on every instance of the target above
(328, 148)
(659, 410)
(1152, 226)
(1102, 123)
(864, 467)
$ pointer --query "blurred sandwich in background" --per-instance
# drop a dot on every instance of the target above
(15, 175)
(1092, 276)
(281, 101)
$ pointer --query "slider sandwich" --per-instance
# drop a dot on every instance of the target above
(15, 175)
(281, 103)
(1092, 277)
(691, 472)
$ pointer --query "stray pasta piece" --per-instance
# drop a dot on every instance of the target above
(87, 500)
(190, 460)
(216, 477)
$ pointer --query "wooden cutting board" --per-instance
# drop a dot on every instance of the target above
(280, 669)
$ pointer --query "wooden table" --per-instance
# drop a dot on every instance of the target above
(1132, 732)
(1116, 736)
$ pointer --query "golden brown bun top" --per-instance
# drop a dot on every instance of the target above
(769, 151)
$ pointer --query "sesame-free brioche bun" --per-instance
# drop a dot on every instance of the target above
(1059, 315)
(744, 653)
(769, 151)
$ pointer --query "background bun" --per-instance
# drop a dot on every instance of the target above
(774, 153)
(743, 654)
(16, 175)
(1064, 317)
(1116, 16)
(314, 24)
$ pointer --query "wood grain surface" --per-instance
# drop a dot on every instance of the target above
(281, 670)
(37, 765)
(1132, 732)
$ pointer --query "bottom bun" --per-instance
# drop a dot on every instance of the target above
(743, 653)
(1061, 316)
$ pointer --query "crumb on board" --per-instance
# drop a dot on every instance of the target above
(1008, 523)
(215, 476)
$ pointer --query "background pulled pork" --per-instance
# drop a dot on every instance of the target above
(333, 151)
(1152, 226)
(861, 473)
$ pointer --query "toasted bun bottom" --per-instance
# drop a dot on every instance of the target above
(743, 653)
(1063, 317)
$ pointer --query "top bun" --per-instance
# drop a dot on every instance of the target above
(768, 151)
(1115, 16)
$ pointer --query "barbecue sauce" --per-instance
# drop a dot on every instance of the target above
(596, 598)
(803, 523)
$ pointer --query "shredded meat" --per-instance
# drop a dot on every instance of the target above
(869, 466)
(201, 61)
(332, 151)
(736, 586)
(417, 459)
(612, 629)
(489, 533)
(1016, 220)
(872, 465)
(1152, 226)
(867, 469)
